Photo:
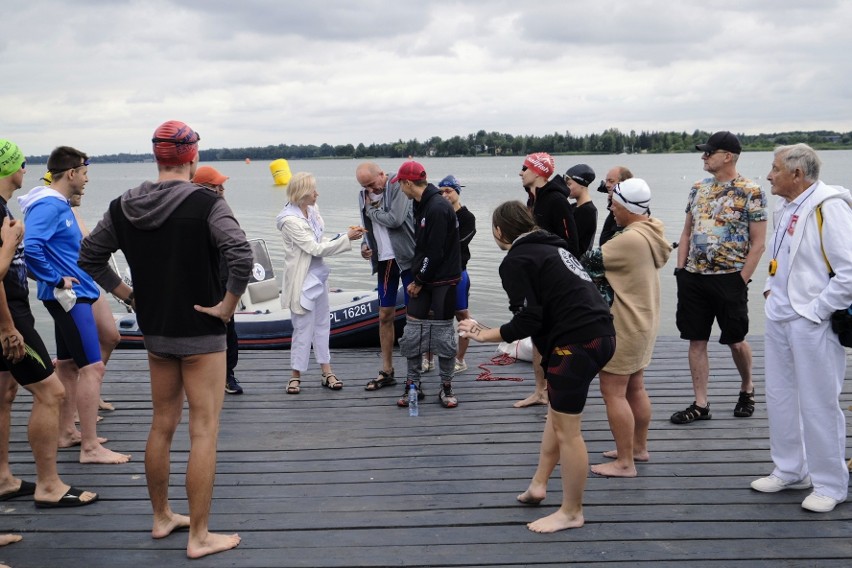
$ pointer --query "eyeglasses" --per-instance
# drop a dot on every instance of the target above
(60, 170)
(617, 191)
(446, 190)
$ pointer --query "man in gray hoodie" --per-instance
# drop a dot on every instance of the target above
(389, 245)
(170, 231)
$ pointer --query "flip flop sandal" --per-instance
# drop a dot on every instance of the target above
(330, 381)
(70, 499)
(384, 379)
(26, 488)
(294, 388)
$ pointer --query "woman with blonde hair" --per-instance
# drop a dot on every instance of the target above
(305, 288)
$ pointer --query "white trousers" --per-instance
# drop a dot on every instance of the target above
(309, 329)
(805, 368)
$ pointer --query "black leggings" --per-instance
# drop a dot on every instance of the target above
(439, 301)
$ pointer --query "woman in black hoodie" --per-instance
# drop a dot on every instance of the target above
(554, 302)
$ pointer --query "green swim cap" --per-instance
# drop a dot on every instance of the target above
(11, 158)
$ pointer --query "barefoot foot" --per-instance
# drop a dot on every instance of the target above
(639, 456)
(100, 454)
(614, 469)
(212, 544)
(76, 439)
(532, 496)
(104, 405)
(534, 399)
(168, 524)
(9, 539)
(558, 521)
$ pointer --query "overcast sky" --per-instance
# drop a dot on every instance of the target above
(100, 75)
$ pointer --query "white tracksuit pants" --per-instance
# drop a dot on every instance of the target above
(311, 328)
(805, 368)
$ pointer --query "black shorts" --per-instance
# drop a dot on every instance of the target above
(570, 370)
(36, 364)
(439, 301)
(701, 298)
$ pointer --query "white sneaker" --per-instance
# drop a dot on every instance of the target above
(819, 503)
(773, 484)
(460, 366)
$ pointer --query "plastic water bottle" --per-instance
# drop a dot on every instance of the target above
(413, 403)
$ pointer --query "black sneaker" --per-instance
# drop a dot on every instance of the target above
(447, 396)
(232, 385)
(692, 413)
(403, 402)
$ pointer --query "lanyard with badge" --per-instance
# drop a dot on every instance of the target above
(791, 228)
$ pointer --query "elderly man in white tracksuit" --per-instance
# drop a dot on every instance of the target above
(805, 363)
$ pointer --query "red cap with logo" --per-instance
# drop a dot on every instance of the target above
(410, 170)
(541, 163)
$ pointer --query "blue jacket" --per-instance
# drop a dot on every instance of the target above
(52, 243)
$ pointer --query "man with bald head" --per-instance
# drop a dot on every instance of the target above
(613, 176)
(389, 245)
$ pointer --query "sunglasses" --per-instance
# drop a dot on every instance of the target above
(23, 165)
(523, 168)
(708, 154)
(60, 170)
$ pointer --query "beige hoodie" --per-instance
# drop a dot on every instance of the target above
(632, 260)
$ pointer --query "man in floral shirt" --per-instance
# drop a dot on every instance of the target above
(722, 241)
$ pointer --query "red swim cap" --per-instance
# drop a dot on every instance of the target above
(175, 143)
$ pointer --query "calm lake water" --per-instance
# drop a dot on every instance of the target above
(488, 181)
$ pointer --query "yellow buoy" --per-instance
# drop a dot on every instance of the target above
(280, 170)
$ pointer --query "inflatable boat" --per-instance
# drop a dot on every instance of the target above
(262, 323)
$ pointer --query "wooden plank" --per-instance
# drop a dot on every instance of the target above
(348, 479)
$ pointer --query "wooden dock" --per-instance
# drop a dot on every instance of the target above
(348, 479)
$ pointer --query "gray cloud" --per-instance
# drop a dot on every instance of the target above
(103, 74)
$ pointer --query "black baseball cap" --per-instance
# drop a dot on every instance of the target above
(722, 140)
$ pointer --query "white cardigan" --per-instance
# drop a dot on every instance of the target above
(813, 295)
(300, 246)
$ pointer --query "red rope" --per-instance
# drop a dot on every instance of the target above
(497, 361)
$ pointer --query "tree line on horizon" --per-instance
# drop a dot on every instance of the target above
(482, 143)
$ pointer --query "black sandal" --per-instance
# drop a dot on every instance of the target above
(692, 413)
(745, 405)
(384, 379)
